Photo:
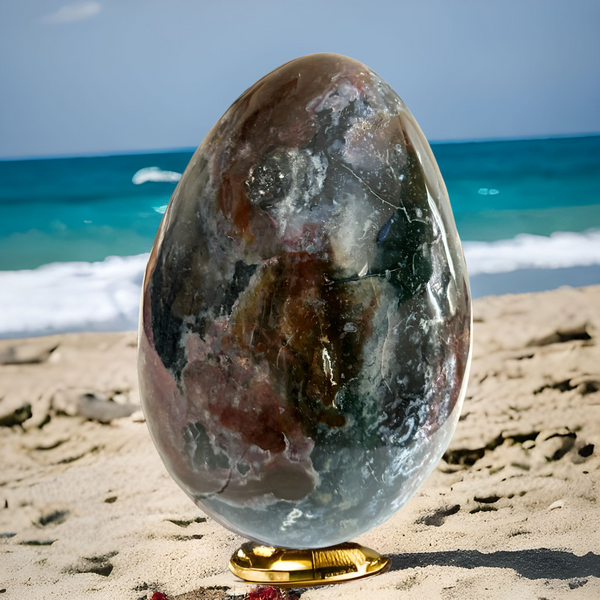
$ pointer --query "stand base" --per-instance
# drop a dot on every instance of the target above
(300, 568)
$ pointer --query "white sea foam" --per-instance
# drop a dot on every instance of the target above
(73, 296)
(562, 249)
(104, 296)
(155, 174)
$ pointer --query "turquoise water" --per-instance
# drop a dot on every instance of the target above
(88, 208)
(501, 189)
(80, 209)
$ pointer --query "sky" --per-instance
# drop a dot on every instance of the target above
(109, 76)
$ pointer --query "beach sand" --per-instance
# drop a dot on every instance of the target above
(87, 509)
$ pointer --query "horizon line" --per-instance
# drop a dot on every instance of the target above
(192, 149)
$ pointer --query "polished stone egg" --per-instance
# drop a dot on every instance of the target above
(305, 328)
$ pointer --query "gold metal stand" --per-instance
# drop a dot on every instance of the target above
(301, 568)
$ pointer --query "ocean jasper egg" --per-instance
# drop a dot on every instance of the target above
(305, 327)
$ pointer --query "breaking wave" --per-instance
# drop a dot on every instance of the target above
(104, 296)
(561, 249)
(72, 296)
(155, 174)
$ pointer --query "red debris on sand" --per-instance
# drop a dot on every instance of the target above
(266, 593)
(158, 596)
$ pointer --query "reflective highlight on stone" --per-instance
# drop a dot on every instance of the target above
(305, 328)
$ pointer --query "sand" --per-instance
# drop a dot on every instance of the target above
(87, 509)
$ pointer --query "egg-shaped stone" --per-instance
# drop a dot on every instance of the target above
(305, 327)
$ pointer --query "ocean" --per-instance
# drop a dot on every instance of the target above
(75, 232)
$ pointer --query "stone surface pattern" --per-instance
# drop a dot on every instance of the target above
(305, 329)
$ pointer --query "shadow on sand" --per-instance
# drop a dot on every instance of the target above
(539, 563)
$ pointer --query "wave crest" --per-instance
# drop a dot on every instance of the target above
(155, 174)
(561, 249)
(72, 296)
(105, 296)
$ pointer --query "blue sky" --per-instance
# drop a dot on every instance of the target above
(101, 76)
